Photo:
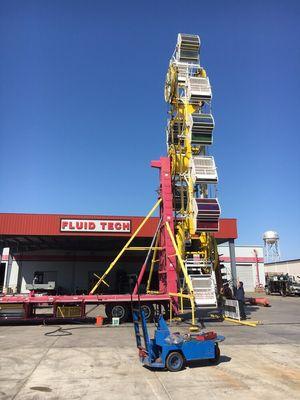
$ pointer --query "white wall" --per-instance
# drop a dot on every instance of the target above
(245, 256)
(287, 267)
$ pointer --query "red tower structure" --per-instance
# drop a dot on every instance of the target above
(167, 260)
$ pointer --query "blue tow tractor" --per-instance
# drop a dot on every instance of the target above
(173, 350)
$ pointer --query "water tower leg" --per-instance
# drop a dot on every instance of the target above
(232, 263)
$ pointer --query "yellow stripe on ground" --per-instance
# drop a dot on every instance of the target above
(252, 323)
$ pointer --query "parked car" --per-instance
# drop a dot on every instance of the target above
(284, 284)
(294, 286)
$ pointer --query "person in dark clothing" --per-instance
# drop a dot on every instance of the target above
(240, 296)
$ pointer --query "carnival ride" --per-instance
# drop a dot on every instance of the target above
(184, 247)
(183, 250)
(194, 174)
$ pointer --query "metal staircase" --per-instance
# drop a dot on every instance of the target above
(202, 277)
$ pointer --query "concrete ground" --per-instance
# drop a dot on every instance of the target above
(102, 363)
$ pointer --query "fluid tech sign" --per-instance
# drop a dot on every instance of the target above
(95, 225)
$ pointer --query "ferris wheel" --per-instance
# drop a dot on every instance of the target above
(194, 174)
(183, 249)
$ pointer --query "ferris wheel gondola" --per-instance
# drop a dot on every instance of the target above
(188, 47)
(204, 169)
(201, 128)
(198, 90)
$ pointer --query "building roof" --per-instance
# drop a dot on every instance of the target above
(26, 231)
(282, 262)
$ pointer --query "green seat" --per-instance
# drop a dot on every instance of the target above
(201, 129)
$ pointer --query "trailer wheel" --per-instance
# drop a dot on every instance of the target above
(118, 310)
(174, 361)
(148, 311)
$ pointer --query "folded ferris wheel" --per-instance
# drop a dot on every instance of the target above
(194, 173)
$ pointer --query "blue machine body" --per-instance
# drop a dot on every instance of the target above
(154, 352)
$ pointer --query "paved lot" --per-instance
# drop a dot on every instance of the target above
(102, 363)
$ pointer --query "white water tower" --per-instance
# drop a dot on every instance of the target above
(271, 246)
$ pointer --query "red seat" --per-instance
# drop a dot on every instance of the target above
(208, 215)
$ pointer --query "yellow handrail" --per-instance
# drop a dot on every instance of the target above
(113, 263)
(152, 263)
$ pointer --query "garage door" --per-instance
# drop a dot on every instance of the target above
(244, 274)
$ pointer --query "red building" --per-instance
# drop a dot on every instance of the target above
(70, 249)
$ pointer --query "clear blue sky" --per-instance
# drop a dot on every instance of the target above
(82, 110)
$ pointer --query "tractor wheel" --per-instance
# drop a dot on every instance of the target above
(117, 310)
(148, 311)
(175, 361)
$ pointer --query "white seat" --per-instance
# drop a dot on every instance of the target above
(204, 169)
(199, 89)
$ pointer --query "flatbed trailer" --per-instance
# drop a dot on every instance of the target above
(28, 308)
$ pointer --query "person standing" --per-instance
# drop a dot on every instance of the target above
(240, 296)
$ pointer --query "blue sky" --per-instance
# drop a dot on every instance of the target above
(83, 113)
